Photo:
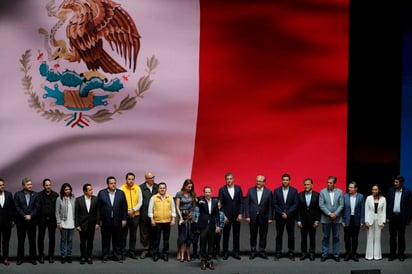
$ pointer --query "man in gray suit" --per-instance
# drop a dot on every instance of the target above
(331, 205)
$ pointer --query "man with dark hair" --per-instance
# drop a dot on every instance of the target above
(353, 219)
(308, 219)
(86, 222)
(134, 202)
(113, 216)
(231, 201)
(162, 214)
(147, 235)
(331, 205)
(285, 206)
(398, 215)
(47, 220)
(7, 213)
(28, 207)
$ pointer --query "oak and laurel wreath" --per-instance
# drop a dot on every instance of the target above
(100, 116)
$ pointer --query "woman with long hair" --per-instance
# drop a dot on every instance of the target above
(185, 201)
(375, 218)
(65, 221)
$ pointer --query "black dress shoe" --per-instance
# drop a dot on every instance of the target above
(336, 258)
(401, 258)
(69, 259)
(6, 262)
(291, 256)
(51, 259)
(225, 256)
(155, 258)
(41, 259)
(303, 257)
(252, 255)
(312, 256)
(277, 256)
(33, 262)
(355, 258)
(210, 266)
(203, 266)
(347, 257)
(165, 257)
(82, 261)
(323, 258)
(63, 260)
(391, 258)
(19, 262)
(263, 255)
(89, 260)
(236, 256)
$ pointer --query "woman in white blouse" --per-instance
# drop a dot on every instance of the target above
(65, 221)
(375, 217)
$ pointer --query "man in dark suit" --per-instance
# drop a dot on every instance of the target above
(86, 221)
(308, 219)
(27, 204)
(147, 234)
(285, 205)
(113, 216)
(47, 220)
(209, 223)
(258, 213)
(7, 214)
(353, 219)
(398, 215)
(231, 201)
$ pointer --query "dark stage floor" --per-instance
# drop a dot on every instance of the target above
(258, 265)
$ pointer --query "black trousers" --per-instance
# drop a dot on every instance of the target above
(131, 230)
(260, 226)
(236, 235)
(308, 229)
(397, 235)
(51, 229)
(5, 234)
(207, 237)
(290, 229)
(30, 229)
(147, 235)
(162, 228)
(351, 233)
(86, 242)
(112, 233)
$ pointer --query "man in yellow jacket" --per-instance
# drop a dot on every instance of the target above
(134, 202)
(162, 214)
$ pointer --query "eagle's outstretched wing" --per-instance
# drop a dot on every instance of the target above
(97, 20)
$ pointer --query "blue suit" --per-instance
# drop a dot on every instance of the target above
(398, 220)
(260, 214)
(231, 208)
(111, 217)
(352, 223)
(290, 207)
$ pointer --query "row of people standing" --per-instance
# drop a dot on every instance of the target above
(331, 209)
(118, 213)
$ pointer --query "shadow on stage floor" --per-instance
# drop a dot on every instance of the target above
(258, 265)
